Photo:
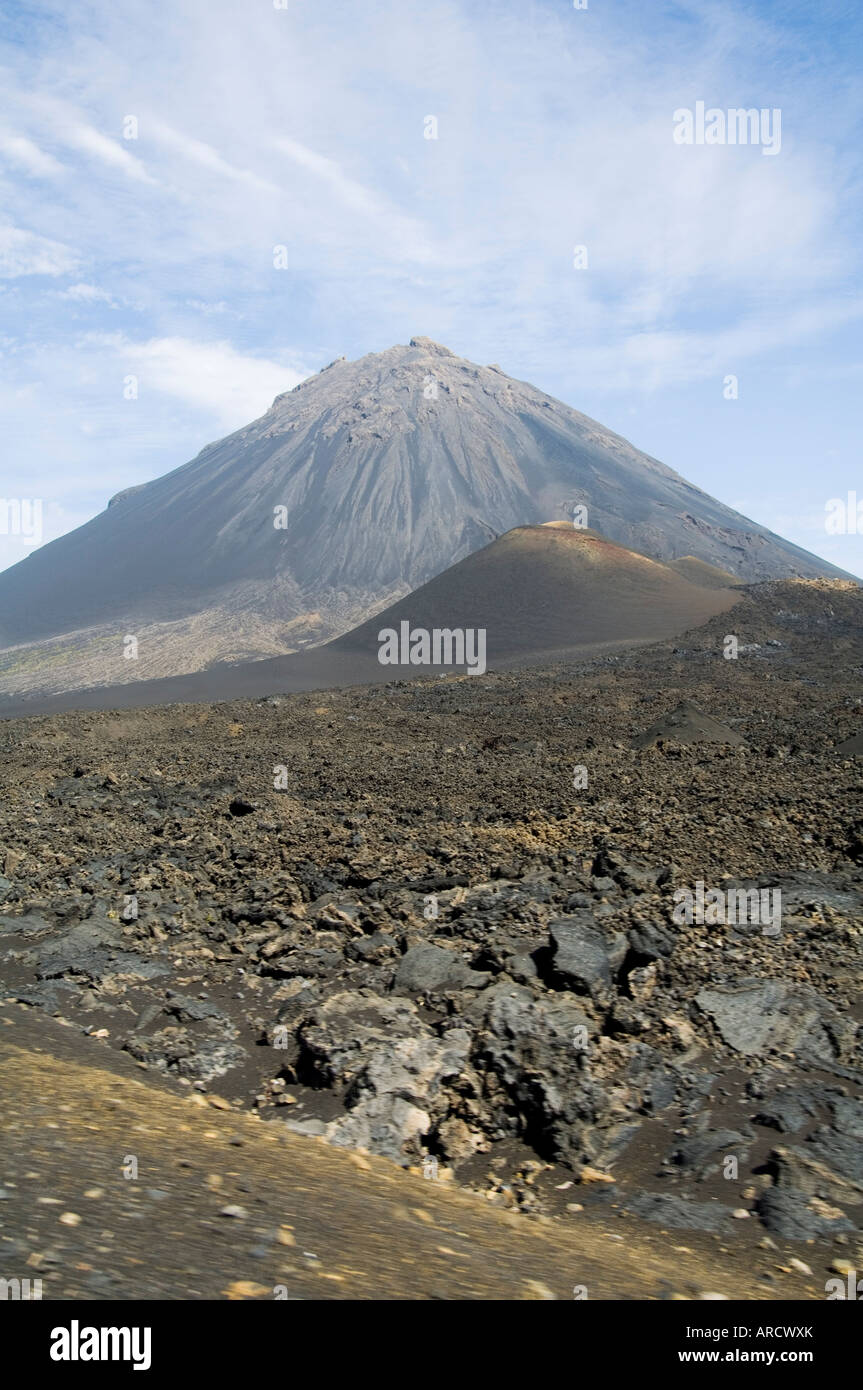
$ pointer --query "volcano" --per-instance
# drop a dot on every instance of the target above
(537, 595)
(358, 486)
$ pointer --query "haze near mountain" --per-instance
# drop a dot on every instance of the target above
(391, 469)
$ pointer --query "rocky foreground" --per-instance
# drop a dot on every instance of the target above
(436, 922)
(223, 1207)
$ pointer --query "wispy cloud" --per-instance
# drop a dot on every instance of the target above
(234, 387)
(404, 234)
(306, 127)
(202, 154)
(26, 253)
(109, 152)
(25, 154)
(88, 294)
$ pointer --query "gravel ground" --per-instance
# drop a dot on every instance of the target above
(435, 922)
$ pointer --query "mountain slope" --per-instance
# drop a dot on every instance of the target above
(541, 589)
(391, 469)
(538, 592)
(699, 572)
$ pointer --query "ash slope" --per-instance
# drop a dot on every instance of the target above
(392, 467)
(535, 591)
(540, 589)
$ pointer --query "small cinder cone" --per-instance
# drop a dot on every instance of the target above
(687, 724)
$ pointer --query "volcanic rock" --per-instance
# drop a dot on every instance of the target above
(756, 1017)
(586, 955)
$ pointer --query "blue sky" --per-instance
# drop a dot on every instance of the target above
(304, 127)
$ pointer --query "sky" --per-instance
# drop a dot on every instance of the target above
(201, 203)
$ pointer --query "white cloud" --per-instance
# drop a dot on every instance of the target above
(231, 386)
(26, 253)
(204, 155)
(28, 156)
(92, 142)
(207, 307)
(88, 294)
(651, 360)
(404, 232)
